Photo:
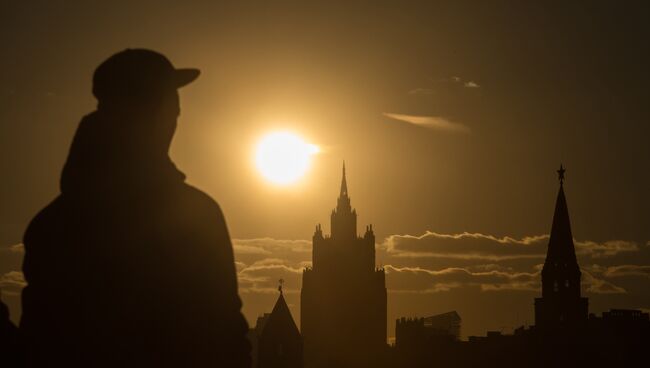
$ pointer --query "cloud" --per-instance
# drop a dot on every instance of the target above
(627, 270)
(239, 265)
(430, 122)
(421, 280)
(477, 246)
(261, 262)
(591, 284)
(604, 249)
(263, 275)
(248, 249)
(466, 84)
(270, 245)
(465, 246)
(436, 262)
(12, 282)
(15, 248)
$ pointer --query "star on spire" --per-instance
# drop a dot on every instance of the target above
(560, 174)
(280, 283)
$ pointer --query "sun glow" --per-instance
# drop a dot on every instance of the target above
(283, 157)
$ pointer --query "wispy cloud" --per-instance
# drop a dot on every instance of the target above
(487, 247)
(627, 270)
(430, 122)
(15, 248)
(438, 262)
(465, 83)
(262, 276)
(421, 280)
(12, 282)
(592, 284)
(267, 245)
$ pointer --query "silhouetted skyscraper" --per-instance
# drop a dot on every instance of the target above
(343, 299)
(561, 303)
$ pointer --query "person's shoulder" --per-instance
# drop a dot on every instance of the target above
(200, 201)
(45, 222)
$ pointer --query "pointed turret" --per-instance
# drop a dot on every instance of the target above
(280, 343)
(560, 245)
(281, 317)
(561, 303)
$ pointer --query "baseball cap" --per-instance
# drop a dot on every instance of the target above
(134, 73)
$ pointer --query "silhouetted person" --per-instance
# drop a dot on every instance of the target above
(129, 265)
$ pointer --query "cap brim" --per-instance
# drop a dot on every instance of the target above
(183, 77)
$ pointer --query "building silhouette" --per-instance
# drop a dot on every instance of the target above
(561, 304)
(563, 336)
(276, 339)
(422, 332)
(343, 297)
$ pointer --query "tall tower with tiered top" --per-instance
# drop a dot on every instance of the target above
(561, 304)
(343, 297)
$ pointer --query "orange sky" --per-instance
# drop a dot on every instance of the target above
(452, 118)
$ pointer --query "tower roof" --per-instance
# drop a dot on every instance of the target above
(560, 245)
(280, 320)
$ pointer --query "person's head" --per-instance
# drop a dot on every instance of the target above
(143, 84)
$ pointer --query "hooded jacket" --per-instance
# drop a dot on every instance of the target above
(129, 265)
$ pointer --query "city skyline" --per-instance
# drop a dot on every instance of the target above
(531, 284)
(452, 119)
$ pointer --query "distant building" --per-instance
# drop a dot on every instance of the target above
(413, 332)
(447, 322)
(343, 298)
(561, 304)
(276, 340)
(623, 316)
(618, 326)
(563, 335)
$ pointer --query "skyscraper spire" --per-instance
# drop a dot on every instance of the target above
(344, 218)
(344, 184)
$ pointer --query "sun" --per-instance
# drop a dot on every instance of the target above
(283, 157)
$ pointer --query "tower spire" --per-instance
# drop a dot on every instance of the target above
(561, 239)
(344, 218)
(344, 184)
(561, 302)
